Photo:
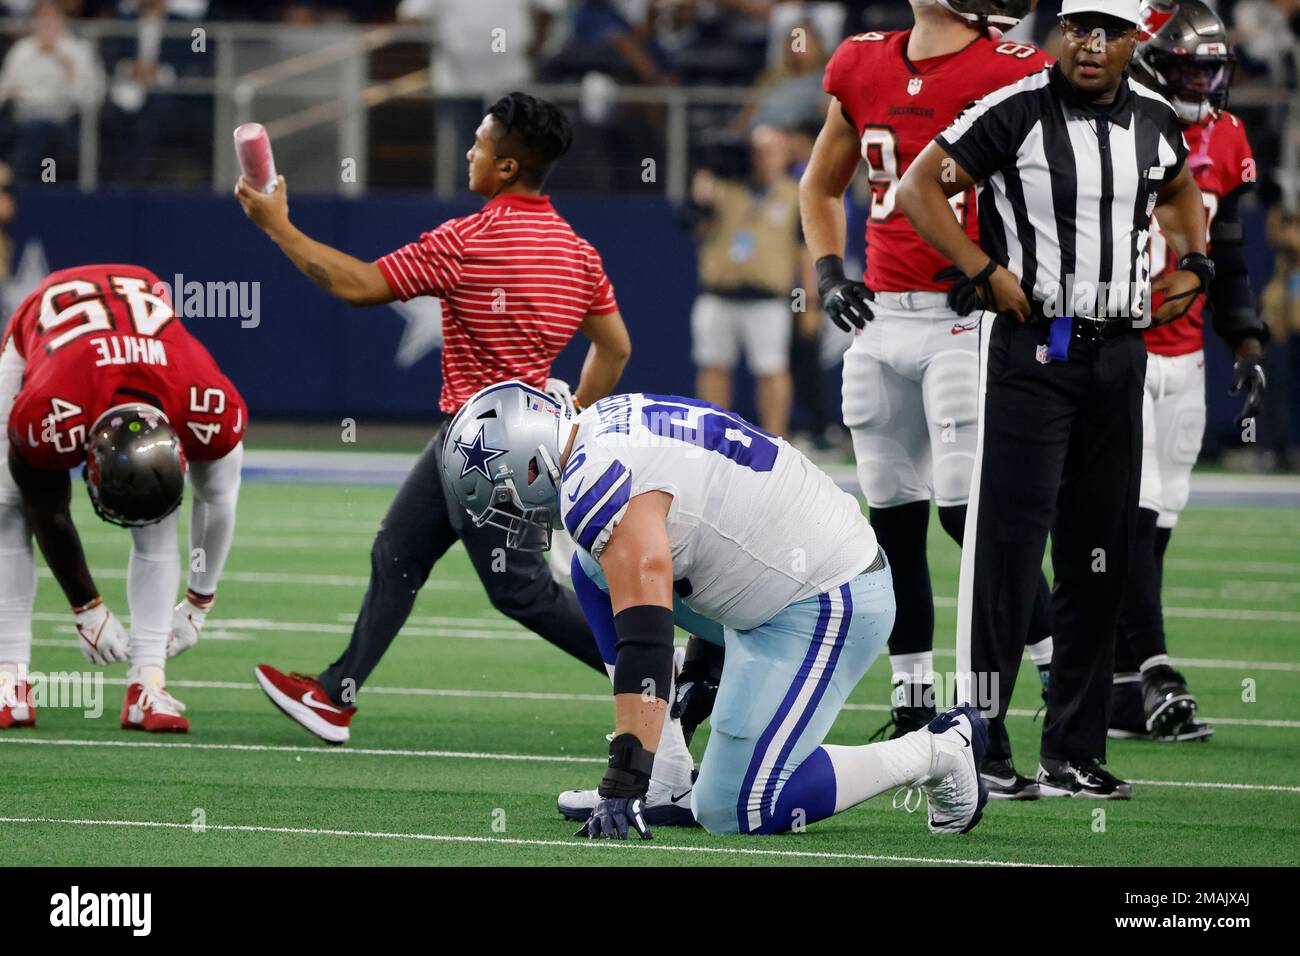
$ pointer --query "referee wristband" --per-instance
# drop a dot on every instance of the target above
(1201, 266)
(984, 274)
(645, 651)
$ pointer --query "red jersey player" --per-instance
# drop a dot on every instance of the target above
(911, 374)
(96, 369)
(1183, 54)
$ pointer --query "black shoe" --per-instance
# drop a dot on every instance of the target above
(1192, 730)
(1127, 720)
(1165, 701)
(1005, 784)
(904, 720)
(1079, 778)
(913, 709)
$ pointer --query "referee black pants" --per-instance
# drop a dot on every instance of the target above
(423, 521)
(1059, 451)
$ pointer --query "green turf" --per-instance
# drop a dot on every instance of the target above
(1223, 561)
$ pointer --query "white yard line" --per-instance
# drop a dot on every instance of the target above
(605, 699)
(461, 755)
(307, 580)
(607, 846)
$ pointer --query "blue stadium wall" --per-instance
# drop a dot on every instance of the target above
(311, 357)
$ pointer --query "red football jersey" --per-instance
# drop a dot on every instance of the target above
(898, 107)
(1220, 159)
(98, 336)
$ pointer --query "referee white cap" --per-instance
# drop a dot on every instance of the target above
(1122, 9)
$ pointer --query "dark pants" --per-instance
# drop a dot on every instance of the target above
(423, 521)
(1060, 452)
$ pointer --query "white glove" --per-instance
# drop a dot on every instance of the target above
(187, 622)
(102, 637)
(559, 390)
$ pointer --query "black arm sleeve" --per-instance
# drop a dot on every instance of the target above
(47, 499)
(1232, 304)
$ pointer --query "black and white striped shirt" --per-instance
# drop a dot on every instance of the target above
(1067, 189)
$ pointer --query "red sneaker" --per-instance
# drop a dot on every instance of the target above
(16, 708)
(152, 709)
(302, 698)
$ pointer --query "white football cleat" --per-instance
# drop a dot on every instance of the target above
(955, 793)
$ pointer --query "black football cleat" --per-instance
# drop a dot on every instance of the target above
(913, 709)
(1004, 783)
(1166, 704)
(1127, 720)
(1079, 778)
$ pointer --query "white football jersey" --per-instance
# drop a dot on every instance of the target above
(753, 526)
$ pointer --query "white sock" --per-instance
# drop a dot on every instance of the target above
(151, 675)
(17, 668)
(912, 668)
(865, 771)
(153, 577)
(1041, 653)
(17, 588)
(1158, 660)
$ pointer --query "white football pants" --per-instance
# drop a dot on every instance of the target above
(1173, 424)
(911, 390)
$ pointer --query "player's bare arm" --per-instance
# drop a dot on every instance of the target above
(639, 568)
(830, 169)
(834, 160)
(923, 195)
(341, 275)
(611, 347)
(47, 500)
(1179, 204)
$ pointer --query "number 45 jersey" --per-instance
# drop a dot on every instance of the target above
(92, 337)
(753, 525)
(898, 106)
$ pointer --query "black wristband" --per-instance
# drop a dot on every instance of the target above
(645, 651)
(1201, 265)
(830, 269)
(983, 275)
(630, 766)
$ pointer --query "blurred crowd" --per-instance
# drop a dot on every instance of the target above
(753, 127)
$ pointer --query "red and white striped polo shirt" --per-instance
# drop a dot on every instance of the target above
(516, 282)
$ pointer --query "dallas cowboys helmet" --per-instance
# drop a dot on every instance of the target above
(501, 457)
(135, 468)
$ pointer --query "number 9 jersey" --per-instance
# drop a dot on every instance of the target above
(898, 106)
(754, 526)
(92, 337)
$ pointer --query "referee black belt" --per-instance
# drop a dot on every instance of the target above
(1083, 328)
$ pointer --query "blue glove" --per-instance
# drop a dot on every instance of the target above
(612, 818)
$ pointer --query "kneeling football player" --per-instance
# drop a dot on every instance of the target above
(673, 495)
(96, 370)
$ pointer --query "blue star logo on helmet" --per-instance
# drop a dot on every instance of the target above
(477, 455)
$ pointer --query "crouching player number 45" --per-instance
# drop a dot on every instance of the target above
(96, 370)
(675, 496)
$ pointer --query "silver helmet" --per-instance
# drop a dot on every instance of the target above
(501, 460)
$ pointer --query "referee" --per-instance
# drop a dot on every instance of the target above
(516, 283)
(1071, 164)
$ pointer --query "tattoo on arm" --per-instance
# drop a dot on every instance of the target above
(318, 274)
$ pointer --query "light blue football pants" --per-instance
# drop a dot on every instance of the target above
(783, 685)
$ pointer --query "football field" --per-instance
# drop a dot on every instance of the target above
(471, 726)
